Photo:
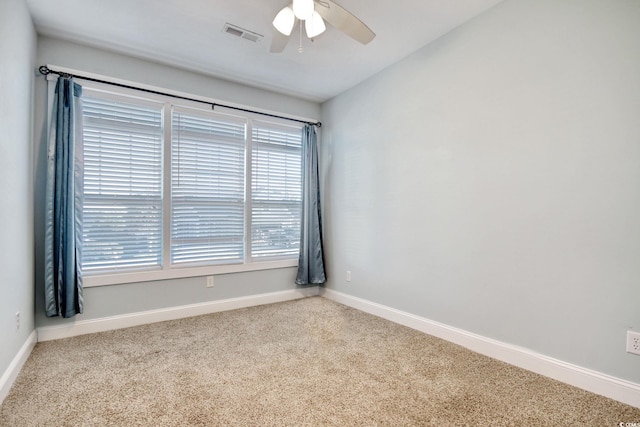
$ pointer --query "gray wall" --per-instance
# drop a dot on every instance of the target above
(491, 181)
(135, 297)
(17, 60)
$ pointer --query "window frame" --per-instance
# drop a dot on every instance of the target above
(274, 149)
(167, 270)
(214, 116)
(105, 199)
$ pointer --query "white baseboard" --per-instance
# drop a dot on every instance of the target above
(82, 327)
(10, 375)
(586, 379)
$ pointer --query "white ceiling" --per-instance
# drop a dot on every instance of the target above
(189, 34)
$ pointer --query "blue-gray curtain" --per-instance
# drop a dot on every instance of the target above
(63, 206)
(311, 259)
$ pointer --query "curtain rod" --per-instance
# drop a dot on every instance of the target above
(44, 70)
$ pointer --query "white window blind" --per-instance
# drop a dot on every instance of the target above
(207, 188)
(276, 190)
(173, 189)
(122, 208)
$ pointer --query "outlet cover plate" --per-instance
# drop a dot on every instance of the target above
(633, 342)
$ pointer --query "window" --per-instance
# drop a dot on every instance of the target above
(276, 191)
(174, 190)
(207, 189)
(122, 211)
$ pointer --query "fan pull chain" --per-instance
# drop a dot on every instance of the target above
(300, 49)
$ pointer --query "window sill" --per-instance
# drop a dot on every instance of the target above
(182, 272)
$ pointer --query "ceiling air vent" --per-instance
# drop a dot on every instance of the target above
(234, 30)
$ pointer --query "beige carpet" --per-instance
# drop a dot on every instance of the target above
(306, 362)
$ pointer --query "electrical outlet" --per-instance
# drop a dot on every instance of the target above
(348, 275)
(633, 342)
(17, 320)
(209, 281)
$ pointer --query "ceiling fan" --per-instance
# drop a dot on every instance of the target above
(312, 14)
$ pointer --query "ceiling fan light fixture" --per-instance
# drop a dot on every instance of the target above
(303, 9)
(285, 20)
(314, 25)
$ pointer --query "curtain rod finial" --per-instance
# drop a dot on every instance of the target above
(45, 71)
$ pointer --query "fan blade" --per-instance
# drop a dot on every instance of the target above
(344, 20)
(278, 42)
